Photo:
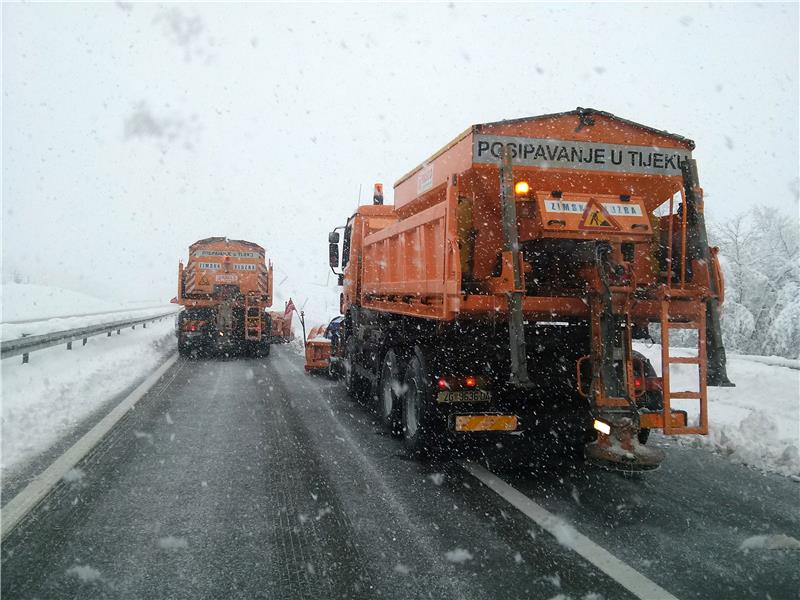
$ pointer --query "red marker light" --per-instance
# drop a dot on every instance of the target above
(442, 383)
(470, 381)
(637, 382)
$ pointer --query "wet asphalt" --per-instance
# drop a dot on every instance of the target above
(248, 478)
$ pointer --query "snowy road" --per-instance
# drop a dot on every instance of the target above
(249, 478)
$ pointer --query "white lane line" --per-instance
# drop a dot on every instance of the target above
(39, 487)
(568, 536)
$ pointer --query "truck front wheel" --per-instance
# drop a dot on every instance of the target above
(417, 408)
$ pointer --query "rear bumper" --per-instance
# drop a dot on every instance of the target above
(316, 367)
(317, 364)
(318, 356)
(194, 338)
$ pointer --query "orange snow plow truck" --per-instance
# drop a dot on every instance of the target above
(225, 287)
(504, 289)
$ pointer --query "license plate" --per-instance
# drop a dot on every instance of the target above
(464, 396)
(486, 422)
(226, 279)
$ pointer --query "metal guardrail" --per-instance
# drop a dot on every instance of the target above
(31, 343)
(129, 309)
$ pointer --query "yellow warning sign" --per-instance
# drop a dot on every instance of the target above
(596, 218)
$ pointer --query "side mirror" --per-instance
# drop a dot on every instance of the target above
(333, 237)
(340, 280)
(333, 253)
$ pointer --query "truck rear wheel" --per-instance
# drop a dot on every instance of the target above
(333, 371)
(183, 349)
(353, 382)
(256, 349)
(652, 400)
(417, 408)
(388, 403)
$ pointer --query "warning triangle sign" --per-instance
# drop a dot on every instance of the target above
(596, 218)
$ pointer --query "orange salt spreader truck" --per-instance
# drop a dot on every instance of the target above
(503, 290)
(225, 287)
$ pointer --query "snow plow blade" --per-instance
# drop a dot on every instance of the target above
(648, 460)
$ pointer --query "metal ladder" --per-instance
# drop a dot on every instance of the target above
(699, 324)
(252, 318)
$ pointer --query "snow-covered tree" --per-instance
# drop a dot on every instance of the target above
(759, 252)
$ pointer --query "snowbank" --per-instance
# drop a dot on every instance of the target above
(37, 309)
(17, 330)
(756, 423)
(777, 361)
(26, 302)
(48, 397)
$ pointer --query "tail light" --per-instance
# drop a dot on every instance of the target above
(641, 382)
(647, 384)
(456, 382)
(193, 325)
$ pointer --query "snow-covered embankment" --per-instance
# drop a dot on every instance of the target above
(756, 423)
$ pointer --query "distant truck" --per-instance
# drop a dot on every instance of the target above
(502, 291)
(225, 287)
(282, 325)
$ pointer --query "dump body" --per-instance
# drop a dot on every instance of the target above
(530, 253)
(218, 267)
(225, 286)
(443, 251)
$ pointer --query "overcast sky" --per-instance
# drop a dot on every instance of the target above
(132, 130)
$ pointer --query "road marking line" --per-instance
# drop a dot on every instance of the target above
(568, 536)
(19, 506)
